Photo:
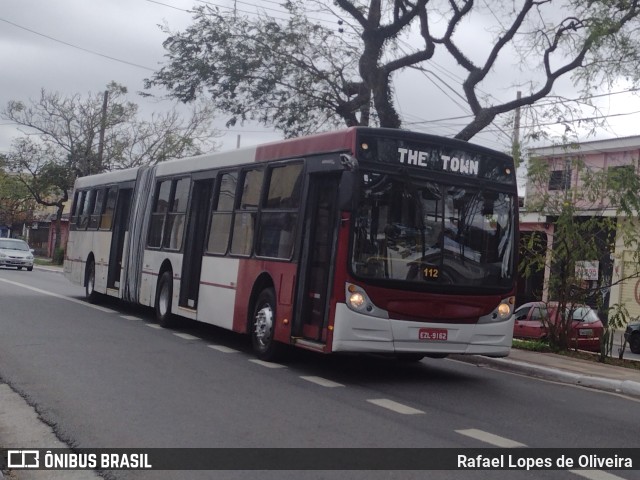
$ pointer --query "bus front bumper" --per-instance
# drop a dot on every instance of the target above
(356, 332)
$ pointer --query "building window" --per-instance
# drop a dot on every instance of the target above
(560, 180)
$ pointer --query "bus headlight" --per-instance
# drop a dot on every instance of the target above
(356, 300)
(359, 301)
(502, 312)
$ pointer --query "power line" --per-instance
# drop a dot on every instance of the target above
(93, 52)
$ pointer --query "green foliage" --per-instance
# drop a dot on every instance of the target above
(16, 203)
(532, 345)
(293, 76)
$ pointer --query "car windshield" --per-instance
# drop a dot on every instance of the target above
(585, 315)
(14, 245)
(414, 230)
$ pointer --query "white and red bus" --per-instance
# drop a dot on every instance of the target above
(361, 240)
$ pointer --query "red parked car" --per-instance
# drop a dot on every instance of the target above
(586, 329)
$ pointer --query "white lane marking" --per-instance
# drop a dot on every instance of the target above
(395, 406)
(63, 297)
(490, 438)
(223, 349)
(154, 325)
(130, 317)
(267, 364)
(596, 475)
(323, 382)
(185, 336)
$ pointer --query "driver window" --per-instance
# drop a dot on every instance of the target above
(522, 313)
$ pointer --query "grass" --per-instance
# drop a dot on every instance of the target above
(544, 347)
(43, 261)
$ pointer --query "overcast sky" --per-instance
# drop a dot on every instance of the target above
(78, 46)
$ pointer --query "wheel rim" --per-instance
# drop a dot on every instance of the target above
(264, 325)
(91, 280)
(163, 300)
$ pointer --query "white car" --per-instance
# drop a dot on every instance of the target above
(15, 253)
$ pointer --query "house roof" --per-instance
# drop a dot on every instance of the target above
(595, 146)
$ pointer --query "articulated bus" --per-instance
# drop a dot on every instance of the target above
(362, 240)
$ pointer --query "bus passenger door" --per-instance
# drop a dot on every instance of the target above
(194, 243)
(120, 227)
(318, 252)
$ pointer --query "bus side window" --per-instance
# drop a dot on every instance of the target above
(174, 225)
(94, 218)
(244, 221)
(87, 208)
(223, 203)
(279, 216)
(110, 205)
(160, 207)
(75, 208)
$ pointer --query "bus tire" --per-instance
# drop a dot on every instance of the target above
(90, 283)
(262, 326)
(164, 299)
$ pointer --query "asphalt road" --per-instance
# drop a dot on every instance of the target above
(105, 376)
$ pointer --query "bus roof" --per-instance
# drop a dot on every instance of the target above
(329, 142)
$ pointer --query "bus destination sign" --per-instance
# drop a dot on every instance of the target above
(461, 159)
(453, 164)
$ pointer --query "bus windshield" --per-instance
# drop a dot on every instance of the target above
(421, 232)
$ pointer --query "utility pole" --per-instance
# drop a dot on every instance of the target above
(103, 127)
(515, 147)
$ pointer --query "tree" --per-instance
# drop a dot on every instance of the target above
(16, 203)
(301, 76)
(587, 220)
(103, 132)
(69, 137)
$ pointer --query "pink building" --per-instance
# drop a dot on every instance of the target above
(599, 155)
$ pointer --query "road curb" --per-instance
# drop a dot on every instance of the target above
(626, 387)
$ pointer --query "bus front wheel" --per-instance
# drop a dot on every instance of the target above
(263, 325)
(164, 299)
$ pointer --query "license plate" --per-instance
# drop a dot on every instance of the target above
(585, 332)
(432, 334)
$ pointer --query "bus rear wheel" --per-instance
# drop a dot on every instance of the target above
(164, 299)
(90, 283)
(263, 325)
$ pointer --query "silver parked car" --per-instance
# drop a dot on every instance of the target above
(15, 253)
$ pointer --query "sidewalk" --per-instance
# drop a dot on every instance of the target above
(564, 369)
